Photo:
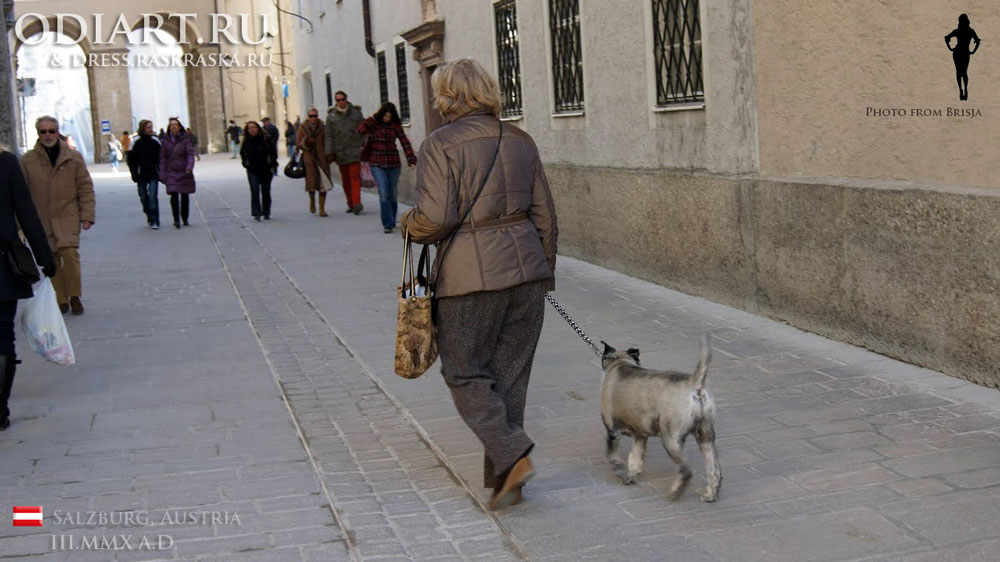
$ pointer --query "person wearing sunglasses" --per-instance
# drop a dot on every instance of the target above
(310, 142)
(343, 146)
(63, 193)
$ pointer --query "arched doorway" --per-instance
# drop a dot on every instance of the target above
(157, 92)
(61, 88)
(272, 108)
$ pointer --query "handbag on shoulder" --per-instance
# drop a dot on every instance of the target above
(416, 334)
(416, 337)
(21, 262)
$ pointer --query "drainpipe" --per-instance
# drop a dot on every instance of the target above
(222, 83)
(369, 46)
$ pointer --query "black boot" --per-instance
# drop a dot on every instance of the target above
(7, 365)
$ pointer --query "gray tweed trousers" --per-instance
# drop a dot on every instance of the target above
(487, 342)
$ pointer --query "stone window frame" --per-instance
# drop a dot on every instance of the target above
(402, 82)
(573, 107)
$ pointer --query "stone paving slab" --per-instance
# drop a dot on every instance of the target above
(247, 367)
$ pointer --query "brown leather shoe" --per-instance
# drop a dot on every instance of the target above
(76, 306)
(64, 307)
(519, 474)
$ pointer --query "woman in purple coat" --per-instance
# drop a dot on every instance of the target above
(177, 169)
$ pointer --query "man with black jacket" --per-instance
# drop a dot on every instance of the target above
(144, 163)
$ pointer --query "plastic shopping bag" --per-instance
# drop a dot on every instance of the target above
(43, 325)
(367, 179)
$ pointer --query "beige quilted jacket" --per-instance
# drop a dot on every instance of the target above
(510, 236)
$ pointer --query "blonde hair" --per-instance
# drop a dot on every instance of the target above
(463, 86)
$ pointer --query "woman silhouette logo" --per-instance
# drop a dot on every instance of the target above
(960, 53)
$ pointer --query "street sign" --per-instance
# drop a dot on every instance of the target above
(105, 126)
(284, 90)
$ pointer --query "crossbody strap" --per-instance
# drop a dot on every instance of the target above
(451, 237)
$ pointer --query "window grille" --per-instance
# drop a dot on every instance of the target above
(508, 59)
(567, 59)
(329, 91)
(677, 52)
(404, 94)
(383, 81)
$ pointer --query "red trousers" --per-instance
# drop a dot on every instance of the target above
(350, 176)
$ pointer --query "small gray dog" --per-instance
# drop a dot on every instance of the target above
(641, 403)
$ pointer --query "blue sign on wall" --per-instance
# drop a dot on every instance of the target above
(105, 126)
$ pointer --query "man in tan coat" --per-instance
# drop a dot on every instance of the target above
(63, 193)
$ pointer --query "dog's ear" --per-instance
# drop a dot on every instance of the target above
(633, 353)
(608, 350)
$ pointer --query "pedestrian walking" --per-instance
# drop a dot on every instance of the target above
(343, 146)
(497, 265)
(272, 136)
(17, 210)
(290, 139)
(126, 141)
(234, 133)
(194, 143)
(260, 158)
(114, 152)
(144, 165)
(162, 134)
(383, 129)
(63, 194)
(177, 170)
(310, 142)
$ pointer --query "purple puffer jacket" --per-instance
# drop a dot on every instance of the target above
(176, 158)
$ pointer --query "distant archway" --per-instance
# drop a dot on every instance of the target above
(65, 92)
(272, 108)
(158, 91)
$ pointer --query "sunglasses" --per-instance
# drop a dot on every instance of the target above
(48, 131)
(340, 99)
(313, 116)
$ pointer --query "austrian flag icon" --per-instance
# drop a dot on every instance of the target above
(27, 516)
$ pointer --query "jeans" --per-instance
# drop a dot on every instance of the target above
(387, 180)
(150, 201)
(236, 148)
(183, 210)
(114, 162)
(260, 191)
(291, 151)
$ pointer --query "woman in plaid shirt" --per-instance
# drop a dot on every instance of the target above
(380, 152)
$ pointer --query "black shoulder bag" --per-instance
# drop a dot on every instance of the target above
(22, 264)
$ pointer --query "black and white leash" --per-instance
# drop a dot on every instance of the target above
(579, 331)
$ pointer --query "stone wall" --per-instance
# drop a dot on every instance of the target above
(905, 271)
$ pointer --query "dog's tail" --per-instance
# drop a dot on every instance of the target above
(701, 371)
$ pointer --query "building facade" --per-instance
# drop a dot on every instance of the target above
(815, 164)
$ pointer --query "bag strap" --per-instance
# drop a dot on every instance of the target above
(451, 236)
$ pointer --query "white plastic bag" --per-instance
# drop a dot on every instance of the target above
(43, 325)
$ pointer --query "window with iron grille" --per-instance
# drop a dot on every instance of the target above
(383, 80)
(677, 52)
(329, 90)
(567, 59)
(508, 59)
(404, 94)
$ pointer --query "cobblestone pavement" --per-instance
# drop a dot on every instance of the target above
(244, 370)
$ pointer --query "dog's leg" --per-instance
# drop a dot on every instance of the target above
(705, 434)
(635, 458)
(674, 444)
(612, 451)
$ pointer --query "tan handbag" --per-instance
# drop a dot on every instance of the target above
(416, 340)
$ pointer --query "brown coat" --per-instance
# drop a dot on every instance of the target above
(314, 158)
(510, 236)
(63, 194)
